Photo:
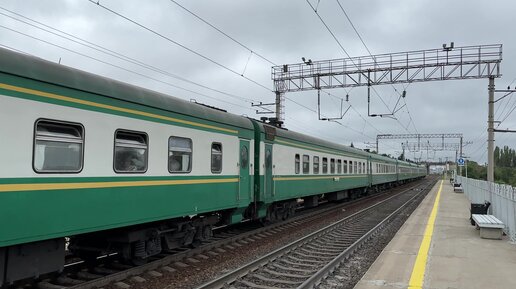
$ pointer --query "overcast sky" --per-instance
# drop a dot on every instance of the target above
(282, 31)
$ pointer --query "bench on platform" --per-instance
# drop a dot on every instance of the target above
(490, 227)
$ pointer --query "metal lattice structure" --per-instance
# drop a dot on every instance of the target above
(447, 63)
(469, 62)
(419, 135)
(415, 147)
(419, 145)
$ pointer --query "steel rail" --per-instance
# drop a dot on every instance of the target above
(254, 265)
(335, 263)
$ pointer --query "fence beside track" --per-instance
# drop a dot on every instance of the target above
(502, 198)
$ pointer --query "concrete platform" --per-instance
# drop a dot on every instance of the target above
(457, 257)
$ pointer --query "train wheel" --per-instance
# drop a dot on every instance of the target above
(138, 261)
(207, 232)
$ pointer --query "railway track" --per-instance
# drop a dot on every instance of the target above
(307, 261)
(108, 271)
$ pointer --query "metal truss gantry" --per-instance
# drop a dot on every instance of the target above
(447, 63)
(428, 146)
(422, 145)
(419, 145)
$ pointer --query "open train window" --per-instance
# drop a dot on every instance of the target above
(339, 166)
(316, 165)
(324, 165)
(130, 152)
(180, 154)
(350, 167)
(345, 167)
(332, 166)
(58, 147)
(359, 171)
(306, 164)
(216, 157)
(297, 164)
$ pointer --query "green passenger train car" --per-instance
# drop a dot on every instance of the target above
(295, 166)
(94, 159)
(108, 167)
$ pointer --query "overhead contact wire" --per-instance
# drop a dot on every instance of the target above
(115, 54)
(373, 58)
(178, 44)
(223, 33)
(117, 66)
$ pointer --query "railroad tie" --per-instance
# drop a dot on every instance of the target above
(306, 272)
(275, 281)
(287, 275)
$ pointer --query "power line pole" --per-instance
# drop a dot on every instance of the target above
(490, 132)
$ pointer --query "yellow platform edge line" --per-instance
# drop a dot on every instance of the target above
(418, 272)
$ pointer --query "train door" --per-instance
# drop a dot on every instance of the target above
(369, 171)
(244, 169)
(269, 185)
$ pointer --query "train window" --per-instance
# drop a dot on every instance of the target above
(244, 158)
(180, 154)
(332, 166)
(355, 167)
(350, 167)
(359, 167)
(130, 152)
(345, 171)
(216, 157)
(316, 165)
(58, 147)
(339, 166)
(363, 168)
(306, 164)
(324, 165)
(268, 159)
(297, 164)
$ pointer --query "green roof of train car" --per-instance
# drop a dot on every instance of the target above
(45, 71)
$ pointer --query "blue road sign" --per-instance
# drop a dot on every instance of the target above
(460, 162)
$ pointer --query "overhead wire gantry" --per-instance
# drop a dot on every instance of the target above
(446, 63)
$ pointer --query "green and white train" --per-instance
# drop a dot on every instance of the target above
(110, 167)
